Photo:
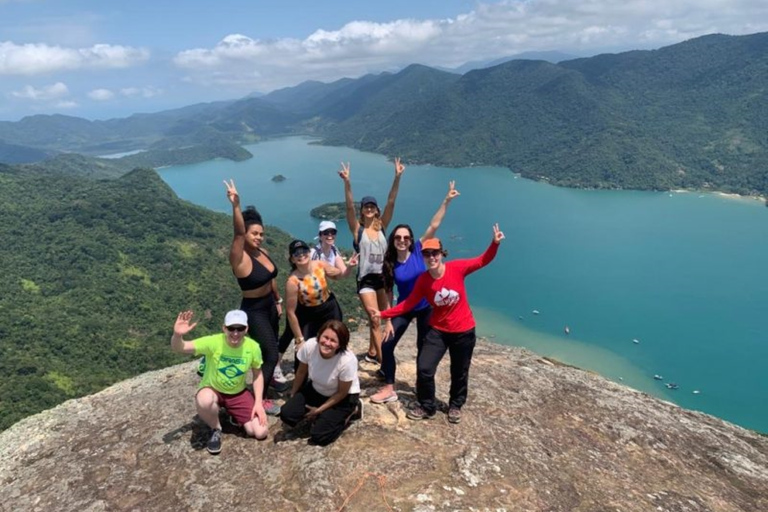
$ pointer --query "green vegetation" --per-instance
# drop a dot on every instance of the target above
(94, 273)
(332, 211)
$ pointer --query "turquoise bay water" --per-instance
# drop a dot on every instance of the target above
(683, 273)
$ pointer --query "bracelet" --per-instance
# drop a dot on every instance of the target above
(299, 340)
(279, 301)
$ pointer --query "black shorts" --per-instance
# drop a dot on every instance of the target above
(371, 281)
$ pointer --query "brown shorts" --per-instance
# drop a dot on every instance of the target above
(238, 406)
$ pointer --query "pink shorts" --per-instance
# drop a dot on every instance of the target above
(238, 406)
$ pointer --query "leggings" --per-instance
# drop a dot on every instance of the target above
(459, 346)
(329, 425)
(310, 320)
(262, 327)
(400, 324)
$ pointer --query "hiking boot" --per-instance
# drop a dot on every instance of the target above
(418, 413)
(201, 366)
(382, 398)
(214, 442)
(454, 415)
(278, 376)
(280, 387)
(270, 407)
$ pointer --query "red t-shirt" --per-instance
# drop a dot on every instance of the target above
(447, 295)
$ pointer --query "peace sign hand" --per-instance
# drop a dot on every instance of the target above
(232, 194)
(498, 236)
(344, 172)
(452, 192)
(399, 167)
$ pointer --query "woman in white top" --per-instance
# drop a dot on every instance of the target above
(326, 390)
(370, 242)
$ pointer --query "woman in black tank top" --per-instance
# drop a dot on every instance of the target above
(256, 272)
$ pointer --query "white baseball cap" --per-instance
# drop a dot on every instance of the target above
(236, 317)
(326, 224)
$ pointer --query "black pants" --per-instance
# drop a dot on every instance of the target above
(262, 327)
(329, 425)
(460, 346)
(311, 318)
(400, 324)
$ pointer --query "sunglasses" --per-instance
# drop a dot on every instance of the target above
(405, 238)
(236, 328)
(431, 253)
(298, 253)
(329, 232)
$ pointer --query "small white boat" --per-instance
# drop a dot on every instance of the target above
(671, 385)
(636, 341)
(696, 392)
(535, 311)
(567, 330)
(658, 377)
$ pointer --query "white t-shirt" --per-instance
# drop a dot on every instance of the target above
(325, 374)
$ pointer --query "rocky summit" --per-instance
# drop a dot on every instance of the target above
(535, 435)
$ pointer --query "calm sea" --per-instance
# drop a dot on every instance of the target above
(669, 284)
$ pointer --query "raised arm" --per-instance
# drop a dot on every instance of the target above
(182, 326)
(440, 213)
(389, 209)
(237, 249)
(352, 221)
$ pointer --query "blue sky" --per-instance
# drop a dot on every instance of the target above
(98, 59)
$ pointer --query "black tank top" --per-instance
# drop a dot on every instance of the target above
(259, 275)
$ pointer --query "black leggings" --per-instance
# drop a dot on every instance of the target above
(262, 327)
(459, 346)
(311, 318)
(329, 424)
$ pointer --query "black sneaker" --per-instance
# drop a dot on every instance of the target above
(454, 415)
(419, 413)
(214, 442)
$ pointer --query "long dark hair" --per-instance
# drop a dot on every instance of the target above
(252, 216)
(390, 257)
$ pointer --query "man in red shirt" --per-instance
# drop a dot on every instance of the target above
(452, 326)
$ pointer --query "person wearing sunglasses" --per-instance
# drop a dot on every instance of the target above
(403, 264)
(256, 275)
(326, 249)
(370, 243)
(452, 326)
(309, 300)
(229, 356)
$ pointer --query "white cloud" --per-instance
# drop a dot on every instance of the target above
(143, 92)
(66, 104)
(101, 94)
(491, 30)
(45, 93)
(31, 59)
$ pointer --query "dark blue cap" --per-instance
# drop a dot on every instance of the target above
(369, 200)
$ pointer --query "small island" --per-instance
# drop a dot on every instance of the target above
(277, 178)
(332, 211)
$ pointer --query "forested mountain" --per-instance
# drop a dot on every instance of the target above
(691, 115)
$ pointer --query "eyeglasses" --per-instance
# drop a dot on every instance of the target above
(405, 238)
(236, 328)
(298, 253)
(329, 232)
(431, 253)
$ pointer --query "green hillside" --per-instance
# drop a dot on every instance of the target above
(93, 275)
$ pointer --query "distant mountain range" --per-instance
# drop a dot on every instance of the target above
(690, 115)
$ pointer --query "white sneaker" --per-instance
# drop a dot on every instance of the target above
(278, 376)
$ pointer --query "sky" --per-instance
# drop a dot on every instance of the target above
(100, 60)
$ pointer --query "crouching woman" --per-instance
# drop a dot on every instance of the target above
(326, 390)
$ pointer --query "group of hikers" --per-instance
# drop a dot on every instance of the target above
(326, 388)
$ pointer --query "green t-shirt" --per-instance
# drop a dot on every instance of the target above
(225, 366)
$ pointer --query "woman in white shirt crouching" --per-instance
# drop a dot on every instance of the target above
(326, 390)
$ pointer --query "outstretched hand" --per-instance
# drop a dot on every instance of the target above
(498, 236)
(353, 260)
(232, 194)
(399, 167)
(452, 192)
(344, 172)
(183, 325)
